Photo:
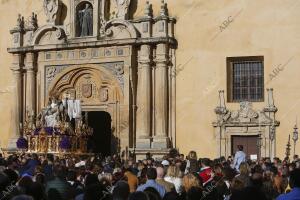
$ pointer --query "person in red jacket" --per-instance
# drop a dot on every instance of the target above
(206, 173)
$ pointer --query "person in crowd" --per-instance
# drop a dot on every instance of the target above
(131, 178)
(239, 157)
(83, 177)
(121, 191)
(151, 177)
(192, 165)
(160, 180)
(173, 176)
(295, 185)
(206, 172)
(57, 184)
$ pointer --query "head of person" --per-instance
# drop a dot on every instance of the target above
(96, 191)
(244, 169)
(295, 178)
(138, 196)
(237, 184)
(192, 155)
(173, 171)
(189, 181)
(194, 193)
(91, 179)
(240, 147)
(152, 193)
(121, 191)
(151, 174)
(40, 178)
(59, 171)
(36, 190)
(160, 172)
(205, 162)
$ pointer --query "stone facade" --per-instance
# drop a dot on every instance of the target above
(207, 32)
(122, 67)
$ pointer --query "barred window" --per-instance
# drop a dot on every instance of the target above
(245, 76)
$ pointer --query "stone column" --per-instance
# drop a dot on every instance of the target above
(143, 115)
(31, 83)
(160, 139)
(17, 101)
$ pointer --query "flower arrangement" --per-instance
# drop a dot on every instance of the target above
(65, 143)
(22, 143)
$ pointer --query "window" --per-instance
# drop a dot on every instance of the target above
(245, 79)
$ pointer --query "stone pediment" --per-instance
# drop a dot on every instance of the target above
(49, 34)
(245, 115)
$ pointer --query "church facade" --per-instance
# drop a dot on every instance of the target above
(150, 76)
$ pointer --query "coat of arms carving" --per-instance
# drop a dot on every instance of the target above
(86, 90)
(103, 94)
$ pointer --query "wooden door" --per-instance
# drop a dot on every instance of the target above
(249, 143)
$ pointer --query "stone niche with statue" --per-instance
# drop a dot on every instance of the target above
(98, 54)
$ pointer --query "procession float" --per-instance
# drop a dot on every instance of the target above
(58, 128)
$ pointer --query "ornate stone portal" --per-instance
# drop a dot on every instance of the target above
(246, 122)
(121, 66)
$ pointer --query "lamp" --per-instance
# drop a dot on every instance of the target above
(295, 137)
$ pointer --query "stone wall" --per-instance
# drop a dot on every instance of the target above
(207, 32)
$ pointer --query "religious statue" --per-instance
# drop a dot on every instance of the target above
(52, 10)
(85, 21)
(122, 7)
(52, 114)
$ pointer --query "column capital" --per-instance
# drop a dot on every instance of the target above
(17, 63)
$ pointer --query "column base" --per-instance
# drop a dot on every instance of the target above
(160, 142)
(143, 142)
(140, 154)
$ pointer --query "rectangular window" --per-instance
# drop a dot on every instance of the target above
(245, 79)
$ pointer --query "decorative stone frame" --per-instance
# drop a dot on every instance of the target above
(246, 122)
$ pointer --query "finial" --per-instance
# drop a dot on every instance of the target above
(148, 9)
(164, 9)
(33, 21)
(20, 21)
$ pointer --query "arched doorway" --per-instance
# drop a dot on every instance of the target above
(101, 139)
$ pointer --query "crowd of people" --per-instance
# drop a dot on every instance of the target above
(173, 177)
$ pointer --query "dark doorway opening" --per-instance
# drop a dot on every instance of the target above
(100, 141)
(249, 143)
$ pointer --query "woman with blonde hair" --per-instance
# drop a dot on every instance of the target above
(190, 180)
(173, 176)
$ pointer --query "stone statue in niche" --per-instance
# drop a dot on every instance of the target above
(52, 10)
(122, 8)
(85, 21)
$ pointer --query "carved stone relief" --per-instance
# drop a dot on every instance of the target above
(104, 94)
(117, 70)
(122, 8)
(52, 10)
